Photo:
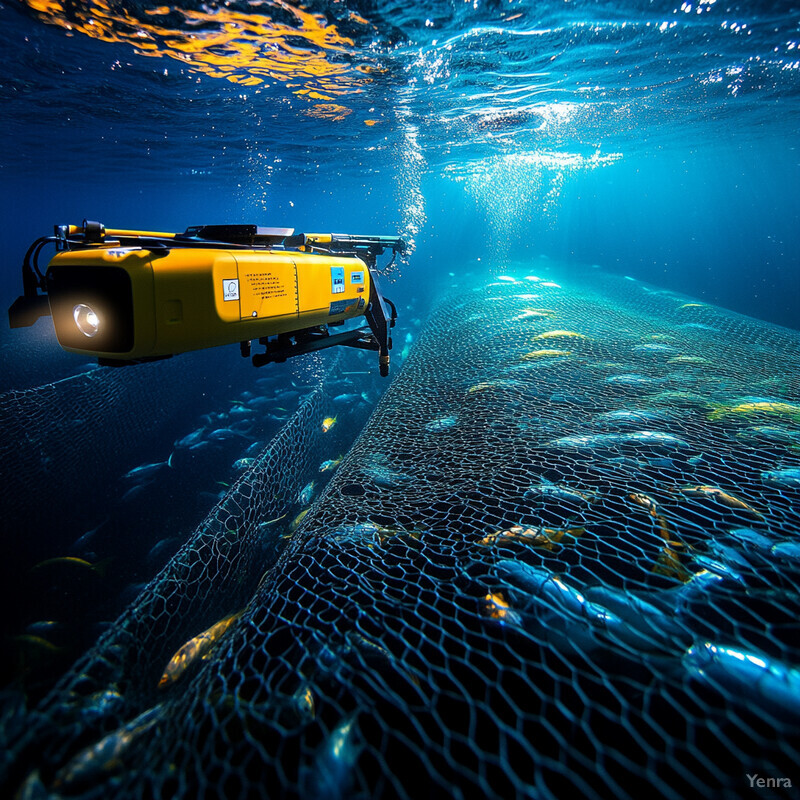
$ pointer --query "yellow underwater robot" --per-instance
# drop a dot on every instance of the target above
(131, 296)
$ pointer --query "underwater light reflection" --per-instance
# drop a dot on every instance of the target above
(243, 48)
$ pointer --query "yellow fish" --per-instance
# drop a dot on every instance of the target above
(547, 538)
(669, 564)
(497, 607)
(560, 335)
(646, 502)
(196, 648)
(328, 423)
(295, 524)
(790, 410)
(106, 755)
(71, 561)
(722, 497)
(650, 505)
(547, 354)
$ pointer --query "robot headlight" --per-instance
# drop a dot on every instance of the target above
(86, 320)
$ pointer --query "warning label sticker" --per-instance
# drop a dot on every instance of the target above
(266, 285)
(230, 289)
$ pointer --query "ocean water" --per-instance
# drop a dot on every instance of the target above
(429, 613)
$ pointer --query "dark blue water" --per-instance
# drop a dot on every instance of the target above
(654, 139)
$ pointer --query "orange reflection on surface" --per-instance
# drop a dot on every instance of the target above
(328, 111)
(309, 56)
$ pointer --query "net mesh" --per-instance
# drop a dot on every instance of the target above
(561, 557)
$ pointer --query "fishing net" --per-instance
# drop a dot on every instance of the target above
(562, 557)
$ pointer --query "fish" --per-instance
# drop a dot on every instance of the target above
(162, 549)
(330, 464)
(192, 438)
(631, 379)
(650, 505)
(699, 360)
(135, 491)
(787, 550)
(654, 438)
(225, 434)
(532, 313)
(507, 279)
(633, 416)
(196, 648)
(559, 334)
(680, 399)
(328, 423)
(43, 626)
(697, 588)
(306, 493)
(790, 410)
(548, 489)
(73, 562)
(534, 582)
(145, 471)
(635, 623)
(551, 284)
(718, 568)
(287, 394)
(295, 523)
(789, 476)
(561, 612)
(243, 463)
(699, 326)
(752, 538)
(547, 354)
(346, 398)
(86, 540)
(106, 755)
(385, 476)
(546, 538)
(691, 305)
(332, 772)
(32, 641)
(440, 424)
(646, 502)
(497, 607)
(259, 403)
(268, 523)
(766, 683)
(723, 498)
(774, 433)
(668, 563)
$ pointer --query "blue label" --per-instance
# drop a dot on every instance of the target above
(337, 280)
(356, 277)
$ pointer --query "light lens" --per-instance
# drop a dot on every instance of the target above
(86, 320)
